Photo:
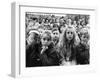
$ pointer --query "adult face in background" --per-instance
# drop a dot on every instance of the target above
(69, 21)
(74, 22)
(62, 28)
(61, 21)
(30, 25)
(41, 31)
(55, 34)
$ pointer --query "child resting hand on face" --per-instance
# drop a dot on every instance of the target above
(48, 55)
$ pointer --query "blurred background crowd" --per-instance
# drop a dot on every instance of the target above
(51, 21)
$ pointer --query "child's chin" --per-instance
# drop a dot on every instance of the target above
(70, 39)
(84, 43)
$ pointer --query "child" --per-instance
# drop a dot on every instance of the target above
(33, 49)
(41, 30)
(48, 55)
(67, 45)
(55, 36)
(83, 48)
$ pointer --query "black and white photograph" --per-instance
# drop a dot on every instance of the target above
(53, 40)
(57, 39)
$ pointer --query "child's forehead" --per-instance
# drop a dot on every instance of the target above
(84, 33)
(55, 31)
(70, 30)
(45, 35)
(84, 30)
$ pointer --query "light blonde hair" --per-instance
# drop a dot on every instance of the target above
(86, 32)
(63, 42)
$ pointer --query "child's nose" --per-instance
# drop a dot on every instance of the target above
(70, 34)
(46, 41)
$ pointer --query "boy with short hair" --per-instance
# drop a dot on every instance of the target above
(55, 36)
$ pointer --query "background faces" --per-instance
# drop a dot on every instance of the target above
(41, 31)
(69, 21)
(69, 34)
(31, 24)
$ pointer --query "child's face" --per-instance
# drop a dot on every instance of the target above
(84, 38)
(55, 34)
(31, 24)
(34, 38)
(43, 20)
(69, 34)
(61, 20)
(45, 40)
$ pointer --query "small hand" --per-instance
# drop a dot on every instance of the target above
(44, 49)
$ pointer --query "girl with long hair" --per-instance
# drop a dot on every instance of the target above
(67, 44)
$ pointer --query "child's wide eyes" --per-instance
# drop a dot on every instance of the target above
(46, 39)
(86, 37)
(55, 33)
(70, 32)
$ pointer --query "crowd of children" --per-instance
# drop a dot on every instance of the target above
(57, 40)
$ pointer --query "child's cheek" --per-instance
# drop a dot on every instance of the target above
(82, 37)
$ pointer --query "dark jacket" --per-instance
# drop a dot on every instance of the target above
(32, 55)
(50, 57)
(82, 54)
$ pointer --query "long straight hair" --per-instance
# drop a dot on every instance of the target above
(63, 44)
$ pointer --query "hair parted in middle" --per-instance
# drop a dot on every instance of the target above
(64, 43)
